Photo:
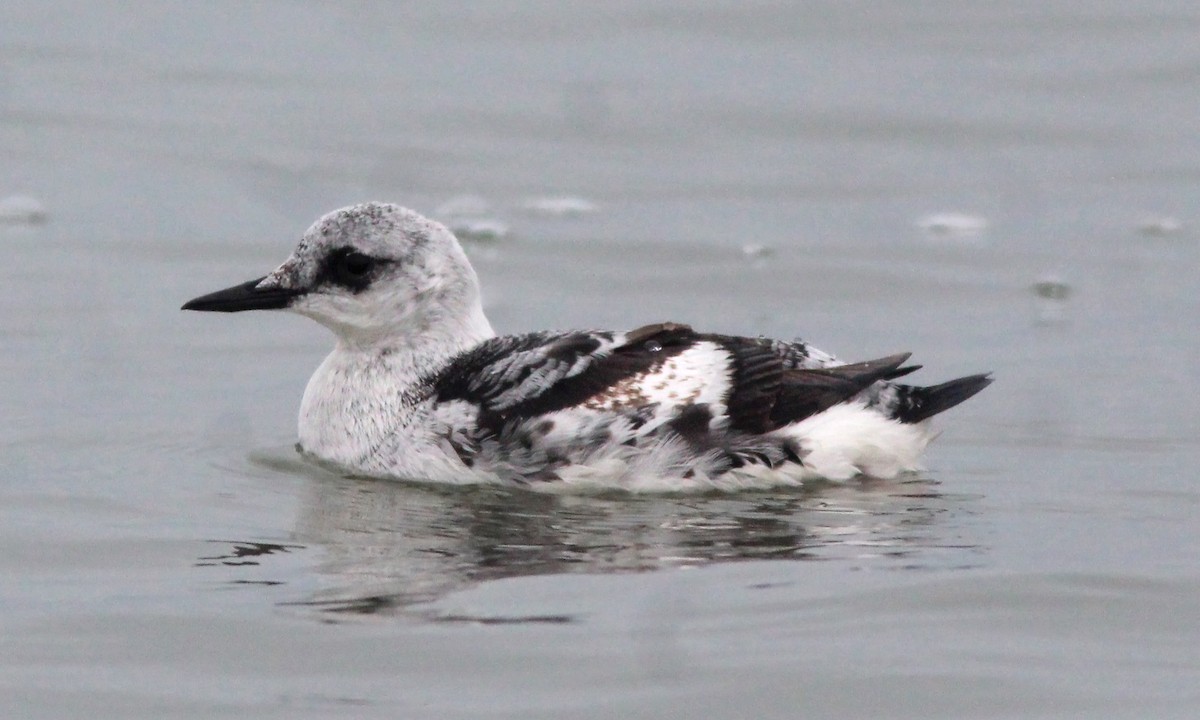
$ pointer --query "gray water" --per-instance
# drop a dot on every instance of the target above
(755, 168)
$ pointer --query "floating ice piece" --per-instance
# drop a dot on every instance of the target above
(470, 218)
(757, 250)
(1159, 225)
(1051, 287)
(560, 206)
(953, 225)
(478, 229)
(22, 210)
(1052, 292)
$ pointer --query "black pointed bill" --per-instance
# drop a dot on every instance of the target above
(246, 296)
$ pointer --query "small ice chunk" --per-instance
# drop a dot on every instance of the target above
(953, 225)
(470, 218)
(478, 229)
(1052, 292)
(22, 210)
(1051, 287)
(1159, 226)
(560, 206)
(757, 250)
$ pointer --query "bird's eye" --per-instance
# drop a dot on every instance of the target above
(352, 268)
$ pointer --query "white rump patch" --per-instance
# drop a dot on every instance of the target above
(850, 439)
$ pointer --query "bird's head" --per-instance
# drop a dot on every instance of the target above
(372, 273)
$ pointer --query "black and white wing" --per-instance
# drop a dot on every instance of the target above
(747, 385)
(523, 376)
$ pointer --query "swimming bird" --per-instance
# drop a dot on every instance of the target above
(419, 386)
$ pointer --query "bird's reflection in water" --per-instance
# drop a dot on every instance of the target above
(388, 546)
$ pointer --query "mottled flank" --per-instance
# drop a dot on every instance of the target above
(418, 385)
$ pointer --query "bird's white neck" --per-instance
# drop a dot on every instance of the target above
(365, 395)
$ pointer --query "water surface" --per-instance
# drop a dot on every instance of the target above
(754, 168)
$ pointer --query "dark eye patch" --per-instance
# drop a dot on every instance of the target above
(350, 269)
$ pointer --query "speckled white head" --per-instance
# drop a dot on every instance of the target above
(378, 273)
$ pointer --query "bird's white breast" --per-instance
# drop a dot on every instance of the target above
(351, 403)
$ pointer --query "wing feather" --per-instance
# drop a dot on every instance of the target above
(526, 375)
(765, 385)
